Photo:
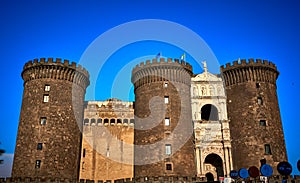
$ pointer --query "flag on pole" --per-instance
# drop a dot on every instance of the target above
(158, 56)
(182, 56)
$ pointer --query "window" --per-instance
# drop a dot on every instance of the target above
(43, 120)
(83, 153)
(131, 121)
(267, 149)
(46, 98)
(112, 121)
(166, 84)
(262, 123)
(47, 88)
(168, 166)
(105, 121)
(86, 122)
(99, 121)
(209, 112)
(166, 99)
(168, 149)
(93, 121)
(107, 151)
(38, 163)
(259, 101)
(119, 121)
(39, 146)
(257, 85)
(125, 121)
(167, 121)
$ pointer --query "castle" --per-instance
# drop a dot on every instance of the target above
(182, 126)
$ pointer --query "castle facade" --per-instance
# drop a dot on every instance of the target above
(181, 124)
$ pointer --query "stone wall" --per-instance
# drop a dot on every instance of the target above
(107, 146)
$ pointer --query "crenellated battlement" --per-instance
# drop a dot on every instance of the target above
(55, 69)
(111, 103)
(162, 70)
(163, 62)
(249, 70)
(249, 62)
(104, 122)
(56, 61)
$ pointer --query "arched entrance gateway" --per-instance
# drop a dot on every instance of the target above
(216, 169)
(209, 177)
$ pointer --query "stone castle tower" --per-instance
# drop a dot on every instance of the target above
(255, 123)
(163, 134)
(49, 137)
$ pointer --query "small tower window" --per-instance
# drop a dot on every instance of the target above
(262, 123)
(167, 121)
(43, 120)
(46, 98)
(83, 153)
(166, 84)
(39, 146)
(257, 85)
(125, 121)
(82, 165)
(259, 101)
(166, 99)
(38, 164)
(47, 88)
(168, 149)
(168, 166)
(268, 149)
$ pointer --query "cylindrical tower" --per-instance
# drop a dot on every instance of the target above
(253, 110)
(163, 135)
(49, 136)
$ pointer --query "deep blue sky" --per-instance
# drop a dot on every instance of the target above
(232, 29)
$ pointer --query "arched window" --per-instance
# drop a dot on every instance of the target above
(131, 121)
(93, 121)
(209, 113)
(112, 121)
(105, 121)
(125, 121)
(99, 121)
(119, 121)
(86, 121)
